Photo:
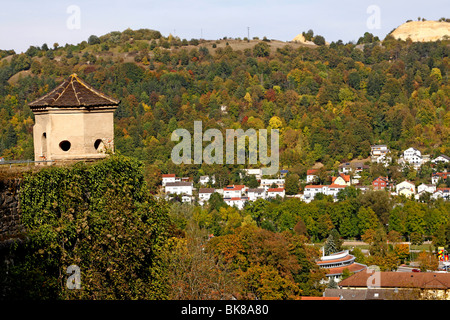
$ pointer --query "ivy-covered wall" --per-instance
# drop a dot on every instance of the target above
(97, 218)
(10, 221)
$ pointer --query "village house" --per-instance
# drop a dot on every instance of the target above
(391, 285)
(311, 175)
(283, 173)
(168, 178)
(436, 176)
(441, 159)
(274, 192)
(267, 183)
(378, 151)
(413, 156)
(443, 193)
(352, 167)
(380, 183)
(233, 191)
(406, 188)
(342, 180)
(426, 188)
(204, 194)
(237, 202)
(254, 172)
(179, 187)
(336, 263)
(423, 189)
(256, 193)
(204, 180)
(311, 191)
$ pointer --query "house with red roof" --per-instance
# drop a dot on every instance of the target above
(336, 263)
(274, 192)
(436, 176)
(311, 175)
(234, 191)
(342, 179)
(168, 178)
(380, 183)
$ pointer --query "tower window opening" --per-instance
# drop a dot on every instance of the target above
(65, 145)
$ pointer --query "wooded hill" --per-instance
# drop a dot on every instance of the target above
(330, 102)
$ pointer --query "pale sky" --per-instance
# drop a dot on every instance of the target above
(25, 22)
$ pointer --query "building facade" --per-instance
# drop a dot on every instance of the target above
(73, 122)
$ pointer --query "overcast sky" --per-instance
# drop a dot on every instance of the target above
(26, 22)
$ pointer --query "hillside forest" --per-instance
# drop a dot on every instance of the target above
(331, 102)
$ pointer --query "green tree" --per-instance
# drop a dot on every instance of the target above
(261, 49)
(292, 184)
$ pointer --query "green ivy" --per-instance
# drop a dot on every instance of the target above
(100, 218)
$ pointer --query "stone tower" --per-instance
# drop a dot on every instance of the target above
(73, 122)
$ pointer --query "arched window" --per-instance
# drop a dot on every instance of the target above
(97, 143)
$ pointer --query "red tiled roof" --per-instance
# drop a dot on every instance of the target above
(390, 279)
(234, 187)
(336, 186)
(275, 190)
(313, 186)
(311, 171)
(354, 267)
(74, 92)
(170, 175)
(343, 176)
(320, 298)
(233, 199)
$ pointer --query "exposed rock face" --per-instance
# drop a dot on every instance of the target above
(422, 31)
(301, 39)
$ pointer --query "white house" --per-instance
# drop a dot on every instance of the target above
(233, 191)
(236, 202)
(274, 192)
(204, 194)
(311, 191)
(168, 178)
(383, 159)
(179, 188)
(436, 176)
(426, 187)
(378, 151)
(406, 188)
(267, 183)
(441, 159)
(206, 179)
(353, 166)
(443, 193)
(311, 175)
(413, 156)
(254, 172)
(186, 198)
(255, 194)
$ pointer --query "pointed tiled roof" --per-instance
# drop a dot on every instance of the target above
(74, 92)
